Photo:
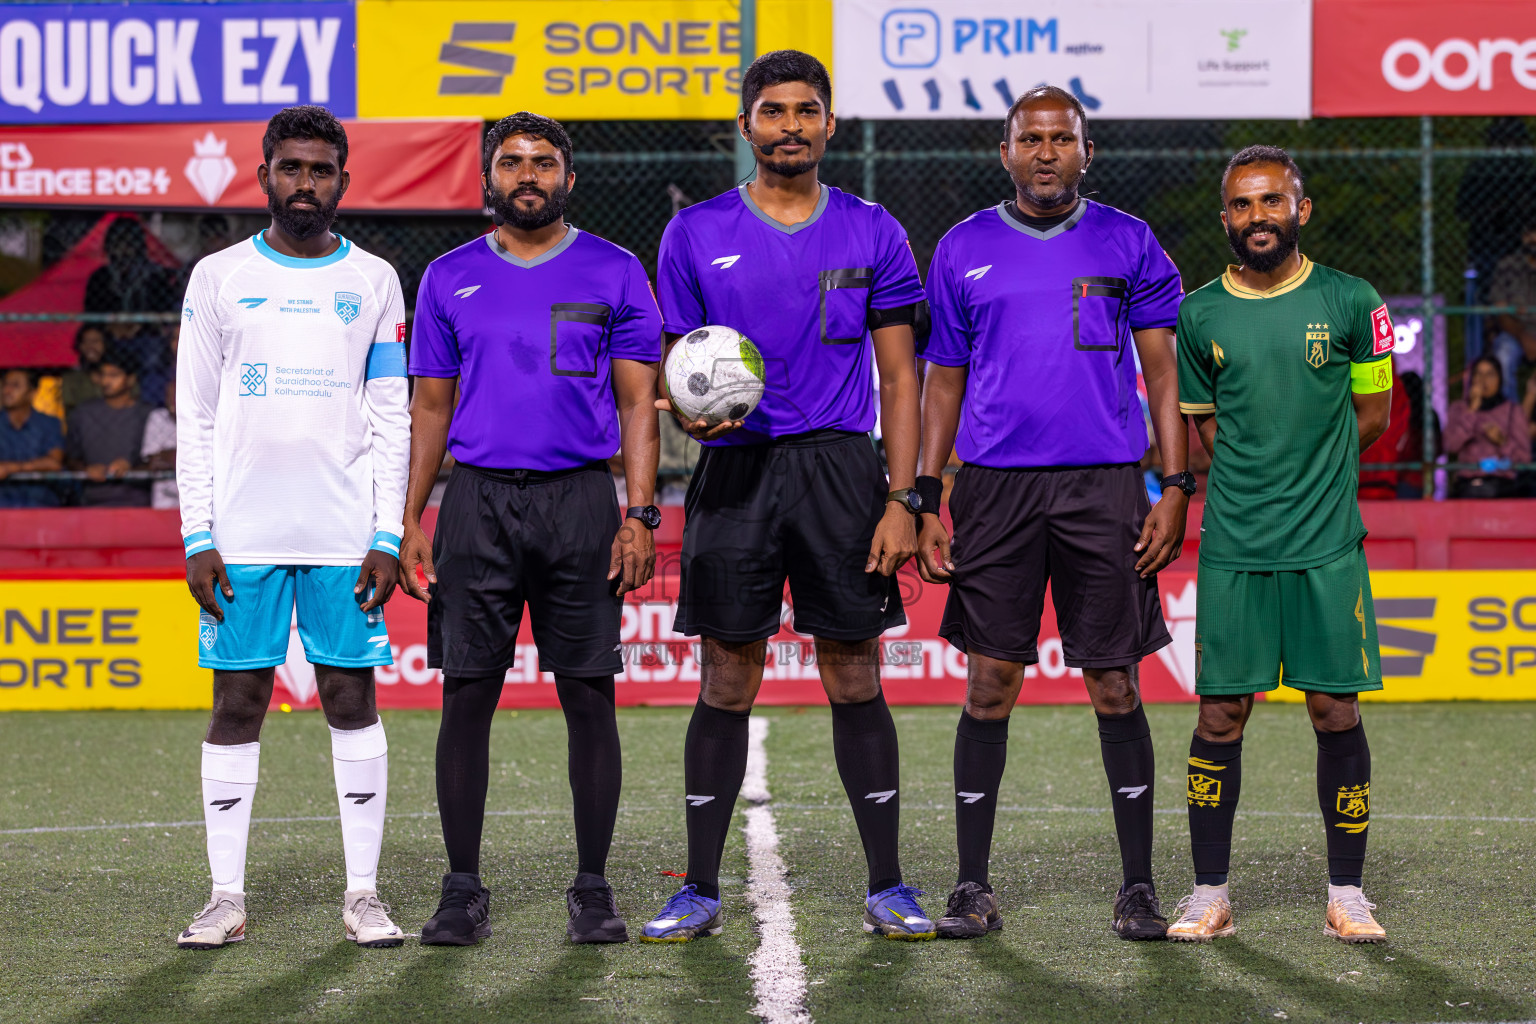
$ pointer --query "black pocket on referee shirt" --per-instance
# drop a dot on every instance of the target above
(578, 334)
(844, 304)
(1100, 311)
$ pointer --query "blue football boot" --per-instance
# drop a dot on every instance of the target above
(895, 914)
(686, 916)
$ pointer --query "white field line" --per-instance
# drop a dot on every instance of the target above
(778, 976)
(550, 812)
(1375, 816)
(556, 811)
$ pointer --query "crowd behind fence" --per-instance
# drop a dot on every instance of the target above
(1439, 214)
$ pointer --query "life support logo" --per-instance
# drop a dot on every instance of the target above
(349, 306)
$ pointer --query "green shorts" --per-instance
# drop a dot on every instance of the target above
(1316, 627)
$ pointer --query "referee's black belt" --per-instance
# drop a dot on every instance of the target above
(814, 438)
(522, 477)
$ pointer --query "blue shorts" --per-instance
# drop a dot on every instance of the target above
(258, 619)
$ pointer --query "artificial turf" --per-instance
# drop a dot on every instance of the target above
(87, 918)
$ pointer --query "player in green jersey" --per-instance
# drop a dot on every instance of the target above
(1286, 367)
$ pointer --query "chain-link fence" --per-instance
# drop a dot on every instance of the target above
(1432, 211)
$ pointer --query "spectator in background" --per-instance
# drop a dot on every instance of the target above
(153, 381)
(1489, 430)
(78, 385)
(106, 436)
(159, 448)
(30, 442)
(1392, 446)
(130, 282)
(1514, 284)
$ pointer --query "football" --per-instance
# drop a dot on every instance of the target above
(715, 374)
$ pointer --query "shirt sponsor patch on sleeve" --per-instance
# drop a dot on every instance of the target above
(1381, 331)
(399, 332)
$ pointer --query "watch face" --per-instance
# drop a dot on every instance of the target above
(914, 500)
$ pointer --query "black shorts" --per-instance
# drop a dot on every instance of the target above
(802, 508)
(507, 536)
(1076, 527)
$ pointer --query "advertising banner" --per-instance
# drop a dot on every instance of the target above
(410, 165)
(112, 643)
(647, 59)
(113, 63)
(1121, 58)
(1386, 58)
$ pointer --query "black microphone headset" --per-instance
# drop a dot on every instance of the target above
(768, 149)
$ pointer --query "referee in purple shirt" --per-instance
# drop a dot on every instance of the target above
(1036, 304)
(552, 339)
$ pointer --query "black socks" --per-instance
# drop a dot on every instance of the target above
(1215, 776)
(864, 742)
(1126, 743)
(981, 751)
(463, 765)
(594, 764)
(464, 754)
(1344, 793)
(714, 763)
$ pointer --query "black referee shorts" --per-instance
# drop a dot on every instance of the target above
(505, 537)
(802, 508)
(1076, 527)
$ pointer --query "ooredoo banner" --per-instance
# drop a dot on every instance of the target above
(132, 643)
(1121, 58)
(1382, 58)
(407, 165)
(105, 63)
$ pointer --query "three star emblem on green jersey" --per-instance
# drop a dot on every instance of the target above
(1317, 344)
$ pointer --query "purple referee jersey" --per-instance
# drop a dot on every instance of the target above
(802, 292)
(531, 341)
(1043, 319)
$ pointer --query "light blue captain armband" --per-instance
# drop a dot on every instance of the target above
(197, 542)
(389, 543)
(386, 359)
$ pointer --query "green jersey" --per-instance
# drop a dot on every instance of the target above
(1277, 368)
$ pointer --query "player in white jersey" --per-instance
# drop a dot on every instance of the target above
(292, 438)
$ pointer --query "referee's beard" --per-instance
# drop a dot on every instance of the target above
(504, 206)
(1065, 193)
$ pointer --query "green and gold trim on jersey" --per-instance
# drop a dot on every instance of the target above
(1290, 284)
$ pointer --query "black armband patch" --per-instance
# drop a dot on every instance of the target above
(915, 314)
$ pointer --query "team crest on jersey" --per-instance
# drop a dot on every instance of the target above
(349, 306)
(1317, 344)
(207, 630)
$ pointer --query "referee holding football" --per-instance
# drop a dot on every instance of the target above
(552, 338)
(1035, 306)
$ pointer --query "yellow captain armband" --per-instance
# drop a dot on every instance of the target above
(1371, 378)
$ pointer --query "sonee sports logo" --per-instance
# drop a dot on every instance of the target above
(224, 805)
(360, 798)
(697, 801)
(725, 262)
(880, 796)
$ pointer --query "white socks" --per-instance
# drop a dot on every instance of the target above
(360, 757)
(229, 785)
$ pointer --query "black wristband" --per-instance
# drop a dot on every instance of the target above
(931, 490)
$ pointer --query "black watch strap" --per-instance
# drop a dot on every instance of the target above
(650, 515)
(1185, 482)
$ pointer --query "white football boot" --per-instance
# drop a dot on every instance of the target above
(221, 922)
(367, 920)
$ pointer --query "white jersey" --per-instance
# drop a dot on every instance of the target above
(292, 427)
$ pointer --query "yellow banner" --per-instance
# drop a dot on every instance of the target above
(573, 59)
(1453, 635)
(74, 644)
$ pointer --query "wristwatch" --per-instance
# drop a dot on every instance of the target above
(650, 515)
(1185, 482)
(909, 499)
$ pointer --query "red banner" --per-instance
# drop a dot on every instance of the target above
(1382, 58)
(661, 667)
(395, 165)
